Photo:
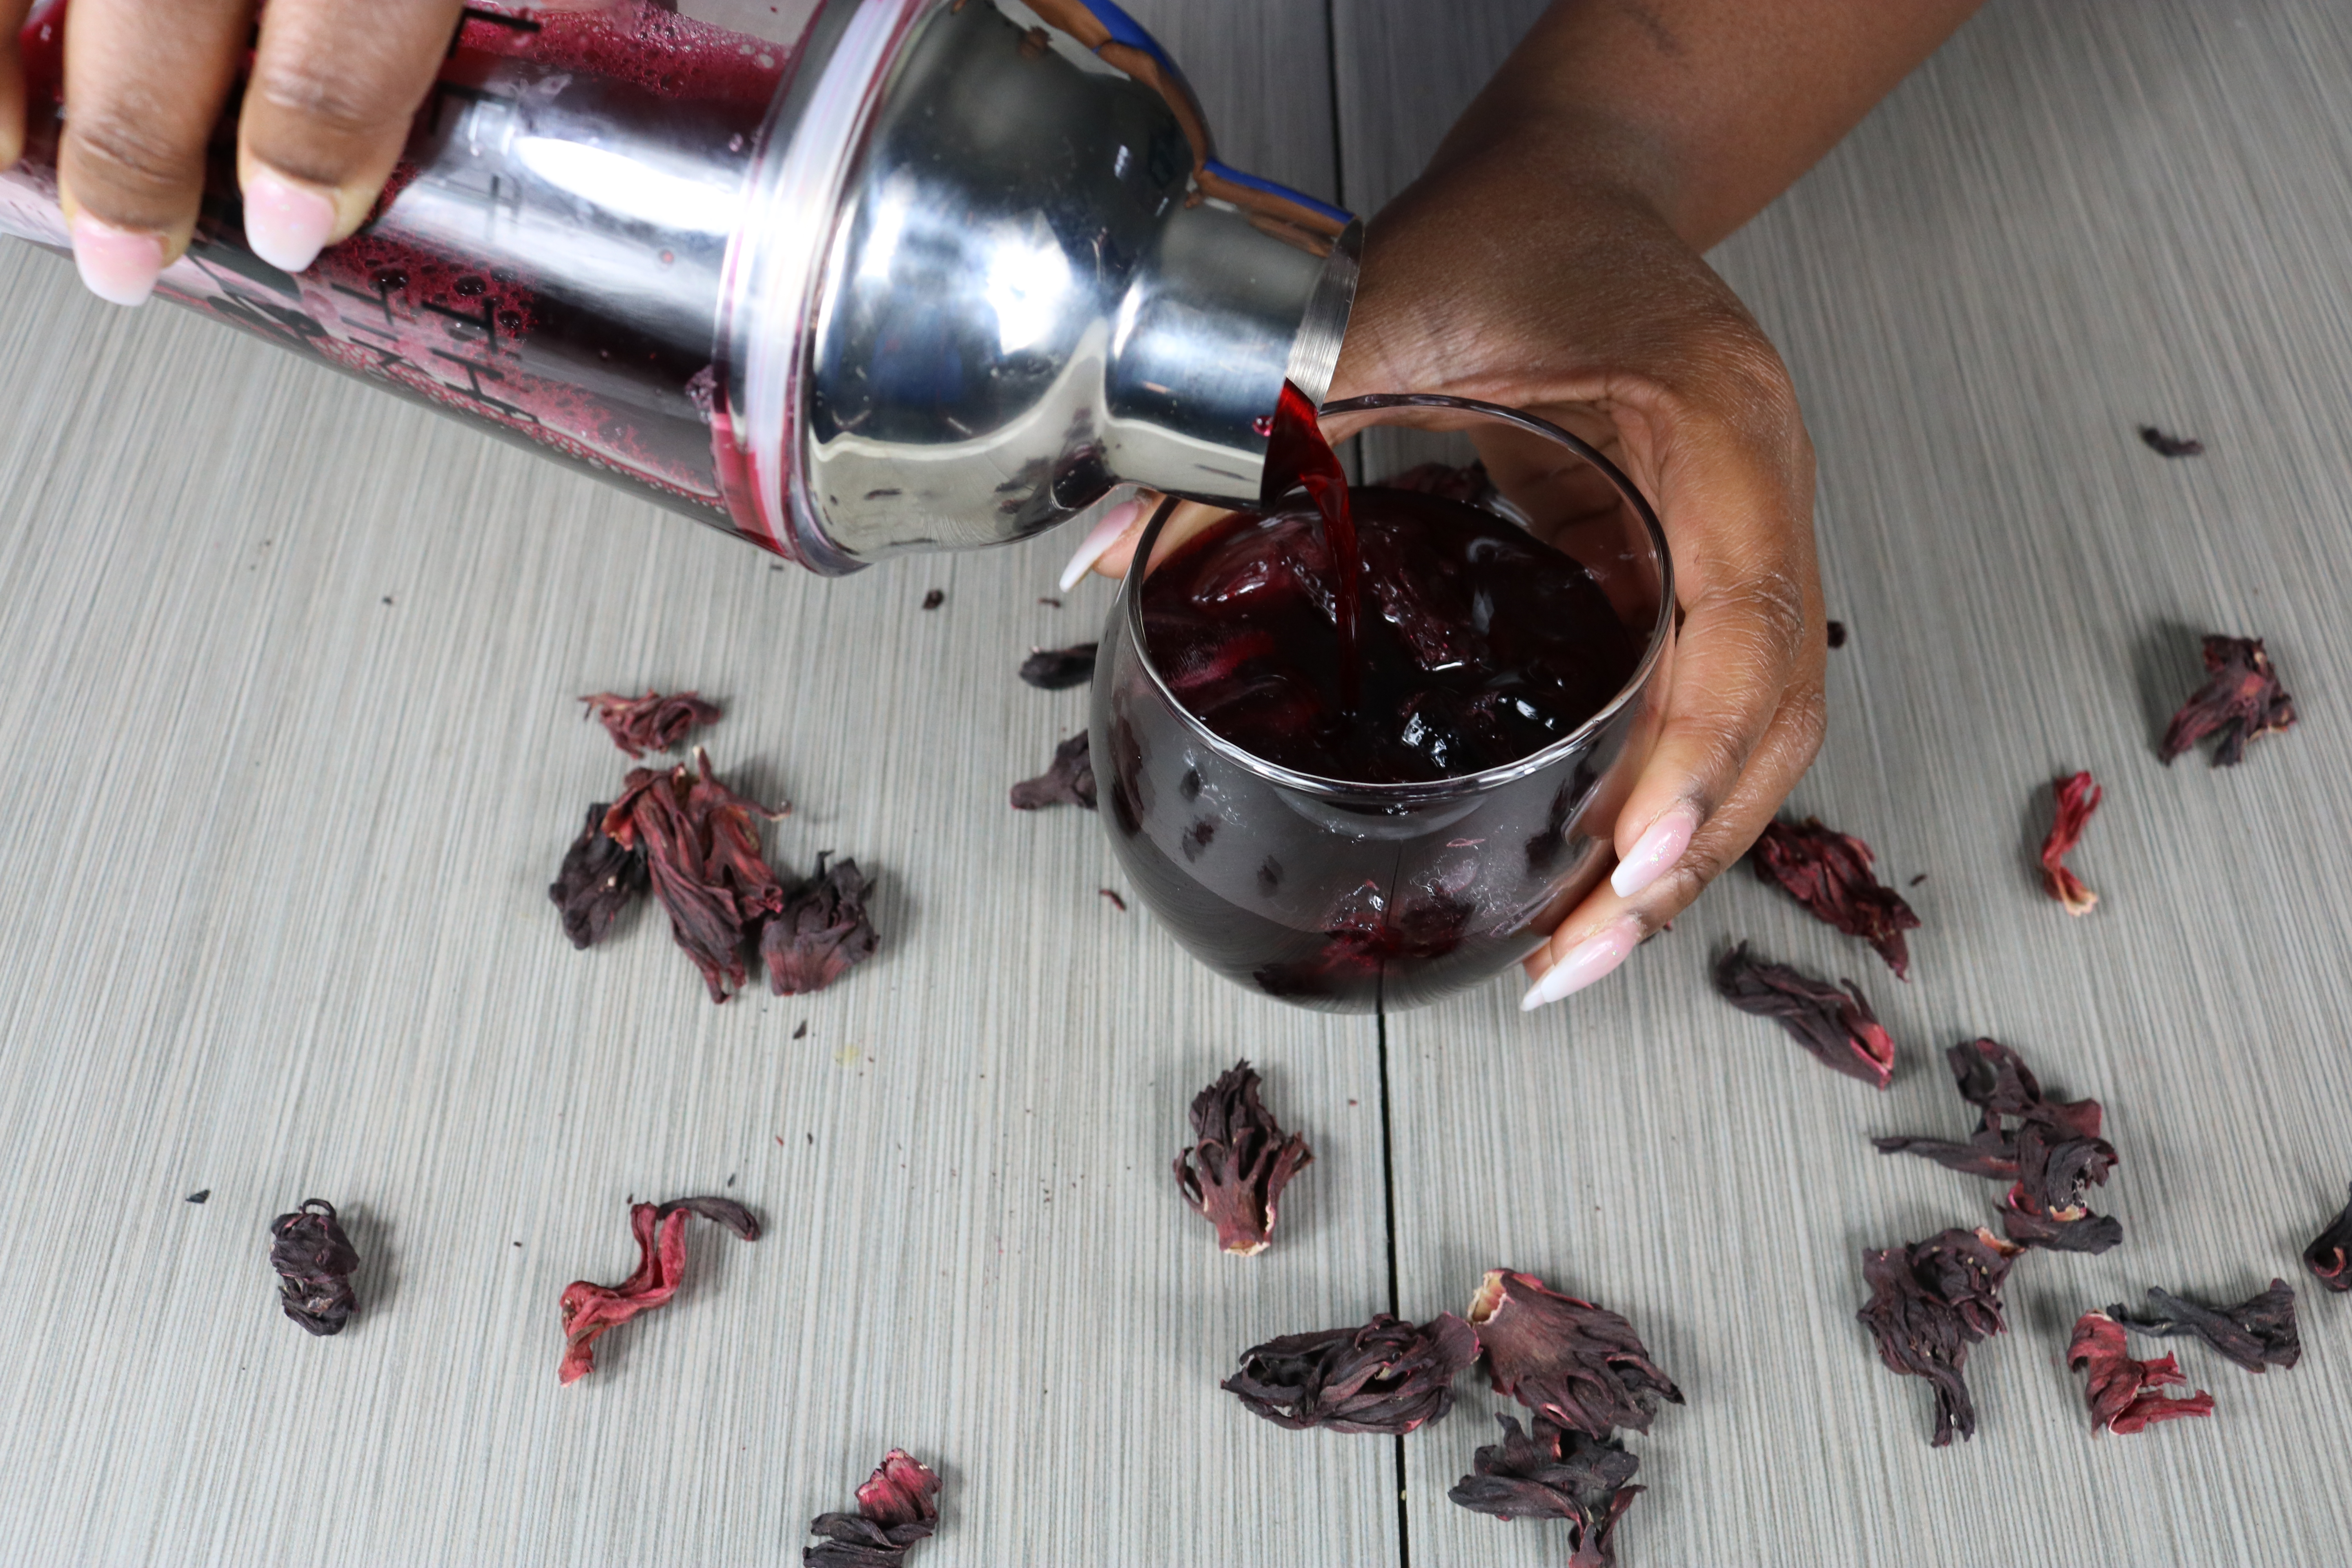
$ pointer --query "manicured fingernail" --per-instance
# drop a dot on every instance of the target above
(1587, 962)
(1656, 852)
(117, 265)
(1101, 537)
(287, 224)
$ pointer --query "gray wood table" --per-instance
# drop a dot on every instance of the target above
(294, 749)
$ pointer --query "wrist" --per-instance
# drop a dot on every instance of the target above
(1544, 157)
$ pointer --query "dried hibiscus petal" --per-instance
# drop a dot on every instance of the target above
(2076, 1231)
(2076, 798)
(2241, 699)
(1240, 1161)
(2120, 1391)
(1554, 1474)
(1836, 1025)
(1059, 669)
(1385, 1377)
(702, 843)
(2258, 1333)
(897, 1507)
(822, 931)
(314, 1260)
(1069, 781)
(2044, 1208)
(719, 1211)
(2052, 1153)
(1829, 873)
(2329, 1256)
(1574, 1363)
(590, 1309)
(1929, 1301)
(1989, 1152)
(598, 879)
(1993, 1077)
(652, 722)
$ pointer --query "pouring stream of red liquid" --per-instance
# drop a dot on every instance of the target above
(1298, 456)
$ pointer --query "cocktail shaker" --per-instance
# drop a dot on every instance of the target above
(847, 278)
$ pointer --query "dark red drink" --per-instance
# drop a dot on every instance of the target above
(1297, 457)
(1412, 857)
(1479, 646)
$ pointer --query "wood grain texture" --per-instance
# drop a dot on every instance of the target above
(296, 747)
(2075, 219)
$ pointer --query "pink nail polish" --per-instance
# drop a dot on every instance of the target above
(1654, 854)
(1585, 962)
(117, 265)
(287, 224)
(1099, 538)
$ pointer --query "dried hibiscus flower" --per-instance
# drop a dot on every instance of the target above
(2052, 1153)
(1069, 781)
(1059, 669)
(2329, 1256)
(588, 1308)
(897, 1507)
(2165, 446)
(701, 842)
(2044, 1207)
(652, 722)
(1240, 1161)
(2121, 1391)
(314, 1260)
(1385, 1377)
(1929, 1301)
(2240, 699)
(1574, 1363)
(2076, 798)
(2258, 1333)
(821, 931)
(597, 880)
(1836, 1025)
(1554, 1474)
(1829, 873)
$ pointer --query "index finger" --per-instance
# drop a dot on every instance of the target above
(144, 86)
(335, 85)
(1736, 503)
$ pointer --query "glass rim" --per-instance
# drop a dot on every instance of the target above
(1413, 793)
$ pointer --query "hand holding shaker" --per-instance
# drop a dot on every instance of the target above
(847, 277)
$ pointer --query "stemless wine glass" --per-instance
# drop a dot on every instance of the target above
(1345, 895)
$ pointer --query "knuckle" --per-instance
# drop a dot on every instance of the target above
(317, 93)
(1680, 887)
(1807, 724)
(1735, 376)
(1755, 366)
(126, 156)
(1768, 606)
